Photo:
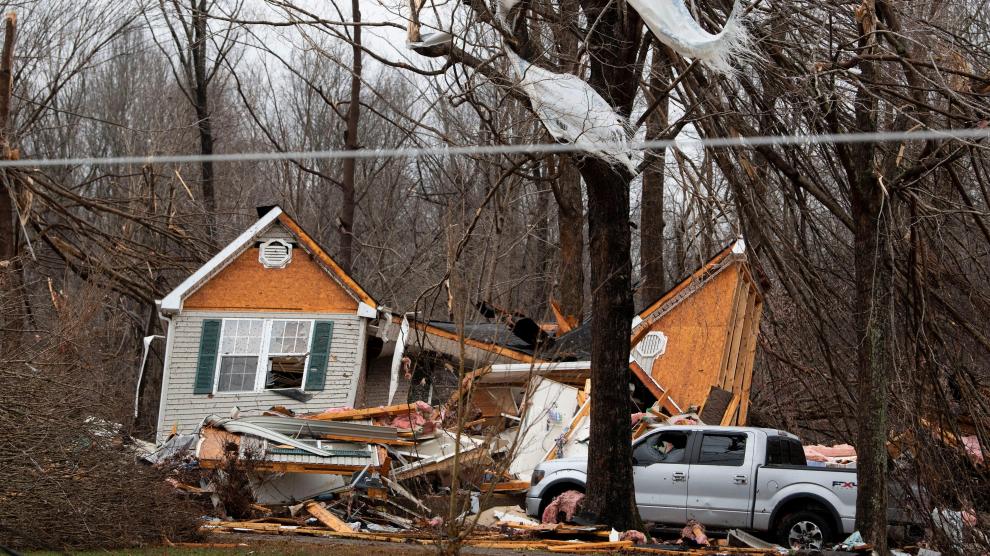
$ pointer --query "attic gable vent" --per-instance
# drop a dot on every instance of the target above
(275, 253)
(653, 345)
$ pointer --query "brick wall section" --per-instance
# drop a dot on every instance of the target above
(186, 410)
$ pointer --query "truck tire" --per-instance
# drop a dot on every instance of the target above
(808, 529)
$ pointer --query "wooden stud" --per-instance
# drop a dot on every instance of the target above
(327, 518)
(368, 413)
(730, 411)
(748, 359)
(733, 333)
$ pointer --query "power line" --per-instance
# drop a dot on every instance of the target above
(533, 148)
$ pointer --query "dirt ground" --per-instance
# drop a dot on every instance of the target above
(265, 545)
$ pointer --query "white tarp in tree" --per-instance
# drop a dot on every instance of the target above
(573, 112)
(672, 24)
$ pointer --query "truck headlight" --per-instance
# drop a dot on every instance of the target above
(536, 477)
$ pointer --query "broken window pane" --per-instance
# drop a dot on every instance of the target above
(287, 351)
(665, 447)
(285, 371)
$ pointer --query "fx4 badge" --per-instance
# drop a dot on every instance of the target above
(843, 484)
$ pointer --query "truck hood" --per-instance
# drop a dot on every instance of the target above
(575, 464)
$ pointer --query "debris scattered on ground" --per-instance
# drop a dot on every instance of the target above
(693, 534)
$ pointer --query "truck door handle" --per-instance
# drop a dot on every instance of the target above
(739, 479)
(679, 476)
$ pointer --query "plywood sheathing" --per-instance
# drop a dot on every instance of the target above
(711, 320)
(697, 331)
(327, 261)
(246, 285)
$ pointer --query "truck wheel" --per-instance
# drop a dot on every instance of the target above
(805, 529)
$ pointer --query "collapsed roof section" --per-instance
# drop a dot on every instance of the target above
(696, 342)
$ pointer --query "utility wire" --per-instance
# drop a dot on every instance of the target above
(711, 143)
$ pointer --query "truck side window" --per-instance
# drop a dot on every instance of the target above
(796, 453)
(774, 451)
(665, 447)
(723, 449)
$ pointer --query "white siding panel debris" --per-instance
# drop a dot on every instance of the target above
(185, 410)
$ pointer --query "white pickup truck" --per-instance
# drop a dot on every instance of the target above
(725, 477)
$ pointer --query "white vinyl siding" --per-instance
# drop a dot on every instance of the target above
(186, 410)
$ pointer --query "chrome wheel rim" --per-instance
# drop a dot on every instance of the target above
(806, 534)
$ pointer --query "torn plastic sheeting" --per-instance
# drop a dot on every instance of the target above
(573, 112)
(672, 24)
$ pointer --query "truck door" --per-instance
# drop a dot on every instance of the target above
(660, 474)
(720, 488)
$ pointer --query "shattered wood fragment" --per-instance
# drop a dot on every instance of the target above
(591, 546)
(369, 413)
(366, 440)
(327, 518)
(506, 486)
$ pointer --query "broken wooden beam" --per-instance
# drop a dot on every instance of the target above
(369, 413)
(327, 518)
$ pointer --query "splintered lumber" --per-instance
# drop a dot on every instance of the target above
(730, 412)
(509, 545)
(506, 486)
(327, 518)
(362, 439)
(591, 546)
(369, 413)
(430, 465)
(246, 525)
(701, 551)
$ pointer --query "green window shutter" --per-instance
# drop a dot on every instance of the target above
(319, 355)
(209, 344)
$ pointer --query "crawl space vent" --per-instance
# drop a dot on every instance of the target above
(275, 253)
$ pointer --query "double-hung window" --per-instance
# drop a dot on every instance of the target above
(260, 354)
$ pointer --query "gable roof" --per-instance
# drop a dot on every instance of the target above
(172, 302)
(576, 344)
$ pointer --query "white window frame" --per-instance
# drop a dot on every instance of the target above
(261, 369)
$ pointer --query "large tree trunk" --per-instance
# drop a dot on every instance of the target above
(351, 144)
(8, 233)
(874, 289)
(614, 74)
(651, 221)
(874, 274)
(610, 474)
(204, 122)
